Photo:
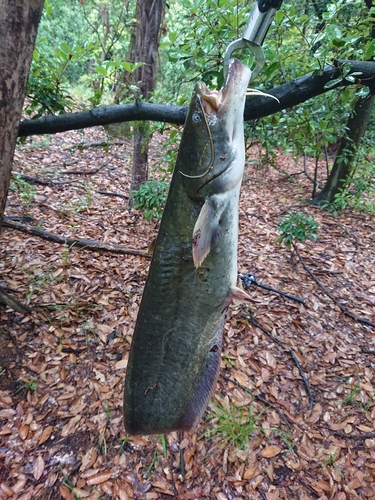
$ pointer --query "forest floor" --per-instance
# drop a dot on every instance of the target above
(62, 366)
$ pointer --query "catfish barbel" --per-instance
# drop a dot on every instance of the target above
(176, 348)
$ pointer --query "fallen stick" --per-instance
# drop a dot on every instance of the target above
(109, 193)
(292, 355)
(42, 182)
(11, 302)
(364, 321)
(92, 245)
(259, 398)
(82, 172)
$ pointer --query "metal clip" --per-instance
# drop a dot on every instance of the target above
(254, 33)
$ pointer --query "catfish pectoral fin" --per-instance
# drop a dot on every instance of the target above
(238, 296)
(206, 232)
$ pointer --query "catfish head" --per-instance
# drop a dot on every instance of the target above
(212, 154)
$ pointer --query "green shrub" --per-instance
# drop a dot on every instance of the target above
(297, 227)
(150, 198)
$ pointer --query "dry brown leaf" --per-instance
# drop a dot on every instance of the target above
(38, 467)
(162, 487)
(99, 478)
(23, 431)
(45, 434)
(122, 364)
(320, 486)
(65, 493)
(79, 493)
(271, 360)
(270, 451)
(250, 472)
(70, 426)
(88, 459)
(7, 414)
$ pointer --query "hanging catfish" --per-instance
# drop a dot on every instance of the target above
(176, 348)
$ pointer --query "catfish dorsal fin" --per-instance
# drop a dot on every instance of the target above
(206, 232)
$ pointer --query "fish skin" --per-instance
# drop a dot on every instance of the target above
(176, 348)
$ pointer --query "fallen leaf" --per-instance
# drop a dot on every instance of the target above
(270, 451)
(99, 478)
(38, 467)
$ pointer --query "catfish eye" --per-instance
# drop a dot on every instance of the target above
(197, 117)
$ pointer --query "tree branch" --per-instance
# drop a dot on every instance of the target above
(93, 245)
(289, 94)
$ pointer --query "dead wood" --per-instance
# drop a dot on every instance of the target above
(42, 182)
(108, 193)
(11, 302)
(364, 321)
(82, 172)
(96, 144)
(259, 398)
(292, 355)
(92, 245)
(365, 435)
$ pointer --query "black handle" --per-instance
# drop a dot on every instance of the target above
(264, 5)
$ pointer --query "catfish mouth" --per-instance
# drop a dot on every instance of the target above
(214, 101)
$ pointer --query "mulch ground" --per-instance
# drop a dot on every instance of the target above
(293, 413)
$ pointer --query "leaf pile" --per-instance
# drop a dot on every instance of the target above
(62, 366)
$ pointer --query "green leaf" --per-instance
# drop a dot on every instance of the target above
(172, 36)
(101, 70)
(370, 52)
(279, 16)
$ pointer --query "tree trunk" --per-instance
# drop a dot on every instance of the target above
(19, 21)
(144, 48)
(356, 128)
(343, 165)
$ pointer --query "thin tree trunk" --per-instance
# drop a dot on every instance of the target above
(343, 166)
(19, 21)
(144, 48)
(344, 161)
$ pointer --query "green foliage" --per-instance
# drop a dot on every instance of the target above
(150, 198)
(25, 191)
(32, 385)
(91, 51)
(297, 227)
(233, 424)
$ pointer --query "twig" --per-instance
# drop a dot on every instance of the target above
(292, 355)
(368, 351)
(11, 302)
(108, 193)
(42, 182)
(92, 245)
(255, 396)
(181, 453)
(366, 435)
(82, 172)
(96, 144)
(328, 293)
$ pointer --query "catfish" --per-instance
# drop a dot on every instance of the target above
(176, 347)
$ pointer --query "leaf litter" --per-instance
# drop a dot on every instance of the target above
(62, 366)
